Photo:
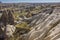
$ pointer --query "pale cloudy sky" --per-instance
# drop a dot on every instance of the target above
(29, 1)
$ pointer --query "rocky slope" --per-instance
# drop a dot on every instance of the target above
(32, 22)
(47, 26)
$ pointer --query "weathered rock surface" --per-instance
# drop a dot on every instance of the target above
(9, 30)
(46, 28)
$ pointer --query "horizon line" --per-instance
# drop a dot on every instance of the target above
(30, 2)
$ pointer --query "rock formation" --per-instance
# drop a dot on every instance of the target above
(46, 27)
(7, 27)
(10, 18)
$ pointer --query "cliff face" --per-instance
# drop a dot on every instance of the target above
(47, 26)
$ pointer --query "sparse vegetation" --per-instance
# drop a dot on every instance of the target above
(23, 15)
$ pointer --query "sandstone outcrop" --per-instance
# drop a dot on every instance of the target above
(47, 27)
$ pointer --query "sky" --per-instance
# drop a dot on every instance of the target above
(29, 1)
